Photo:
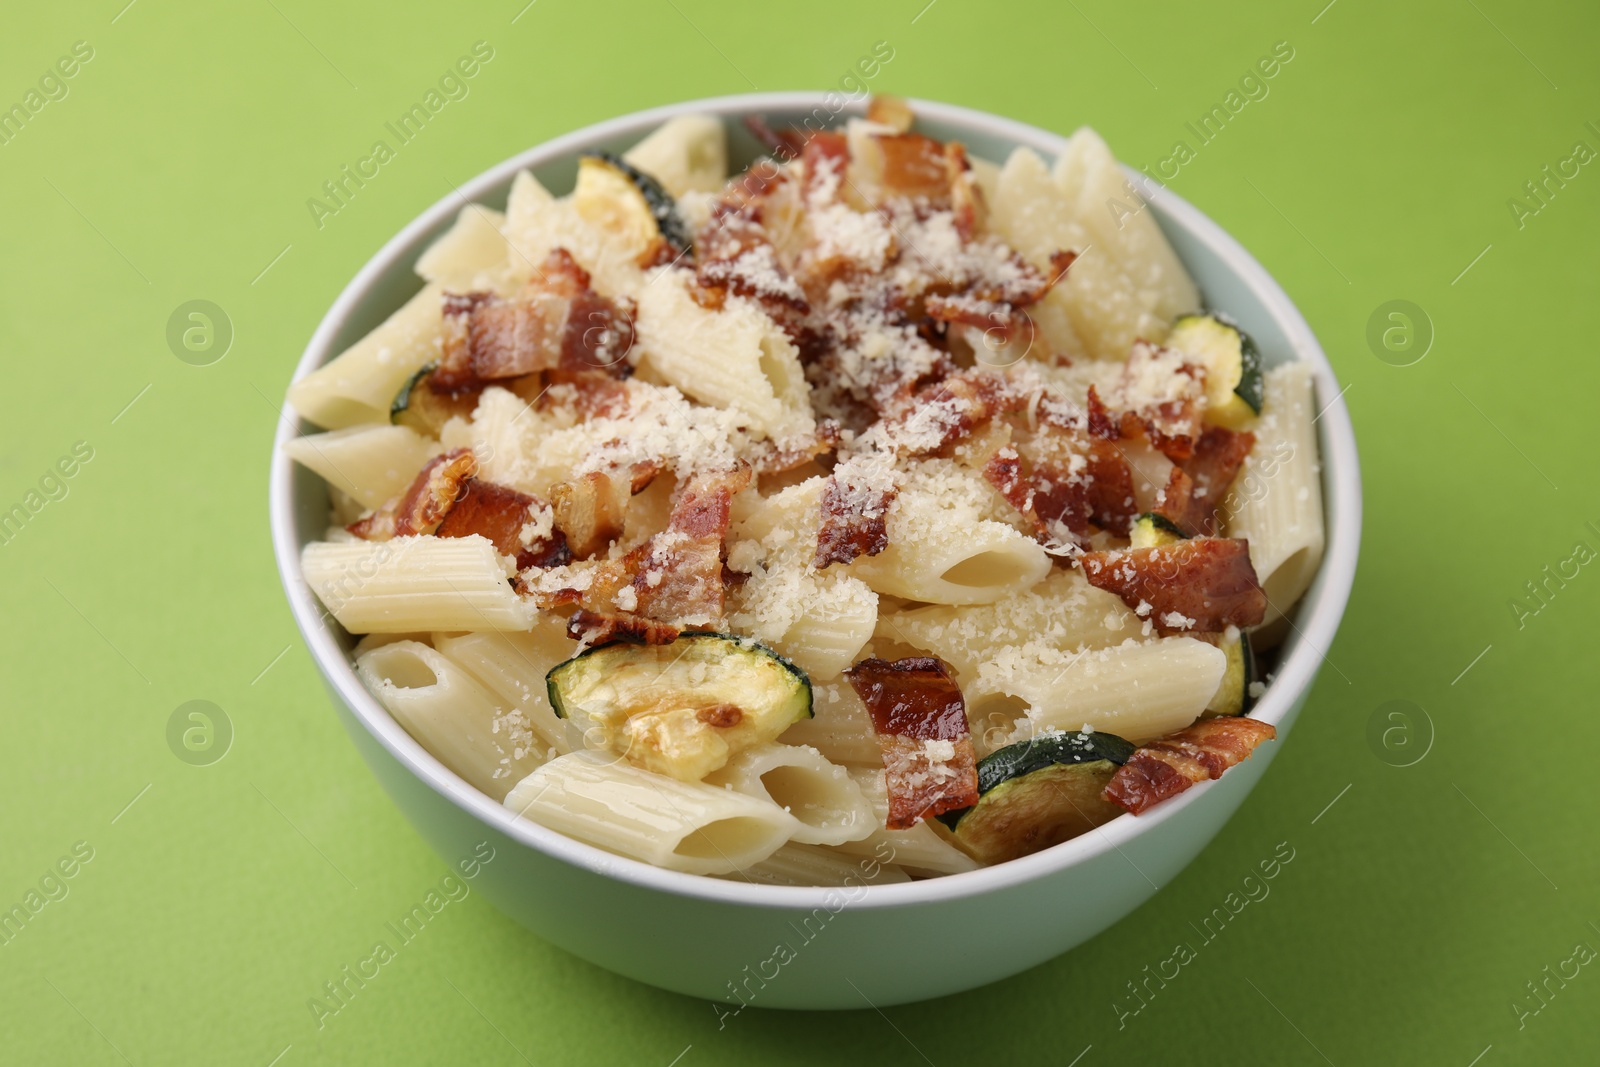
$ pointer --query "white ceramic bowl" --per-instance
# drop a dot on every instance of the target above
(875, 945)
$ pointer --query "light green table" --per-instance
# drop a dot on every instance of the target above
(1421, 899)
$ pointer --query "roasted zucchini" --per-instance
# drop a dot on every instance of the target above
(1234, 386)
(1151, 530)
(680, 709)
(614, 194)
(1233, 695)
(1038, 793)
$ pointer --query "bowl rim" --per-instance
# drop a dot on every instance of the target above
(1319, 613)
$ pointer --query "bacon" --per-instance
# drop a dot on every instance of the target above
(890, 111)
(1202, 585)
(1171, 420)
(589, 511)
(499, 513)
(822, 154)
(589, 394)
(1167, 767)
(1055, 505)
(773, 460)
(595, 628)
(1217, 457)
(556, 321)
(855, 519)
(1176, 503)
(914, 165)
(677, 574)
(916, 708)
(425, 503)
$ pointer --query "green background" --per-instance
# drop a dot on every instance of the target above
(1379, 168)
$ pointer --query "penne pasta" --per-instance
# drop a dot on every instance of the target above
(1137, 690)
(797, 864)
(513, 667)
(1276, 501)
(470, 730)
(358, 385)
(682, 826)
(821, 795)
(471, 254)
(372, 463)
(415, 584)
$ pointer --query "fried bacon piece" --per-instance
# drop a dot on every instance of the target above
(589, 511)
(890, 111)
(773, 460)
(678, 573)
(1217, 457)
(821, 156)
(594, 628)
(1202, 585)
(1055, 504)
(556, 321)
(855, 516)
(1060, 499)
(1163, 399)
(499, 514)
(590, 394)
(921, 726)
(1167, 767)
(425, 503)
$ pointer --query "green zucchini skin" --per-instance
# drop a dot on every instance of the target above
(1208, 330)
(402, 399)
(662, 206)
(1026, 757)
(1030, 813)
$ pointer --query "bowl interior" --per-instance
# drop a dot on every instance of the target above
(1229, 279)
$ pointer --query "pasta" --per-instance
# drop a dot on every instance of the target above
(471, 731)
(1276, 502)
(358, 385)
(513, 667)
(415, 584)
(372, 463)
(876, 514)
(822, 796)
(683, 826)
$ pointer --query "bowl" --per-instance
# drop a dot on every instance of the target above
(803, 947)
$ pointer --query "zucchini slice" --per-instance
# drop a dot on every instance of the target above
(1234, 387)
(680, 709)
(1233, 695)
(424, 409)
(1151, 530)
(1039, 793)
(614, 194)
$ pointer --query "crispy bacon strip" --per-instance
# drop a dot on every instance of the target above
(589, 511)
(677, 574)
(890, 111)
(855, 518)
(1055, 506)
(774, 460)
(1202, 585)
(914, 165)
(1217, 457)
(1167, 767)
(919, 716)
(1171, 417)
(557, 321)
(595, 628)
(425, 503)
(590, 394)
(499, 513)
